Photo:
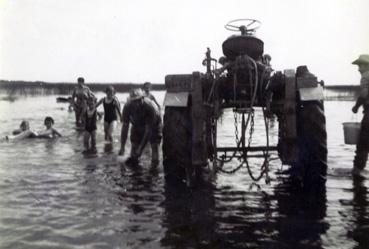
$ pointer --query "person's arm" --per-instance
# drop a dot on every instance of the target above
(55, 132)
(16, 132)
(150, 113)
(357, 105)
(152, 97)
(144, 140)
(123, 137)
(125, 127)
(117, 108)
(22, 135)
(122, 113)
(73, 100)
(364, 88)
(156, 102)
(90, 94)
(99, 102)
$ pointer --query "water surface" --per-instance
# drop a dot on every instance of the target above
(52, 196)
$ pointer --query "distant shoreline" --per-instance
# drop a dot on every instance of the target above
(34, 87)
(331, 92)
(160, 86)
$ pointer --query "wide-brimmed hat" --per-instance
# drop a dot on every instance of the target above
(363, 59)
(135, 94)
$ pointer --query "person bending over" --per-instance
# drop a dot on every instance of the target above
(146, 122)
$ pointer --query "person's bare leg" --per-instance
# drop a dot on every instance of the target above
(154, 154)
(93, 141)
(77, 115)
(110, 130)
(106, 130)
(134, 159)
(86, 140)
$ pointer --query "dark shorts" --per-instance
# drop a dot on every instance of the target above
(109, 120)
(137, 133)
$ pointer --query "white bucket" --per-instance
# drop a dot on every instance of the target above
(351, 132)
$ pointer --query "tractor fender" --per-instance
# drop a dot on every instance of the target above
(178, 88)
(178, 99)
(308, 87)
(311, 93)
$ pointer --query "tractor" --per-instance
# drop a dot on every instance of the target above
(244, 82)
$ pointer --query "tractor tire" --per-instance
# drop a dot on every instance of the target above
(177, 143)
(312, 144)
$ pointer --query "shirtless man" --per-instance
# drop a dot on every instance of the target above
(146, 88)
(79, 100)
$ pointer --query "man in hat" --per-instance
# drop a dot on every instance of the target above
(362, 146)
(146, 122)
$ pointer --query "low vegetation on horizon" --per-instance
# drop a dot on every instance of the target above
(332, 92)
(65, 88)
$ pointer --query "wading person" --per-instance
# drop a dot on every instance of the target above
(146, 90)
(90, 118)
(362, 146)
(111, 112)
(145, 118)
(79, 100)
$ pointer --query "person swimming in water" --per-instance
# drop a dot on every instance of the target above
(23, 132)
(111, 112)
(50, 131)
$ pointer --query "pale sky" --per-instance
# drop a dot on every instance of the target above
(143, 40)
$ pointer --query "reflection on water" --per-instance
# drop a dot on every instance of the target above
(53, 196)
(360, 213)
(298, 212)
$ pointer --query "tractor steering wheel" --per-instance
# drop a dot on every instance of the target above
(246, 26)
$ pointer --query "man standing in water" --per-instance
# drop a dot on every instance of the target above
(146, 122)
(80, 96)
(362, 146)
(146, 90)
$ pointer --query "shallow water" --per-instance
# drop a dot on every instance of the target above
(52, 196)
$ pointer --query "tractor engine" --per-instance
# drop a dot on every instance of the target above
(247, 70)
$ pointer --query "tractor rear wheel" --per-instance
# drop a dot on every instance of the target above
(177, 140)
(312, 144)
